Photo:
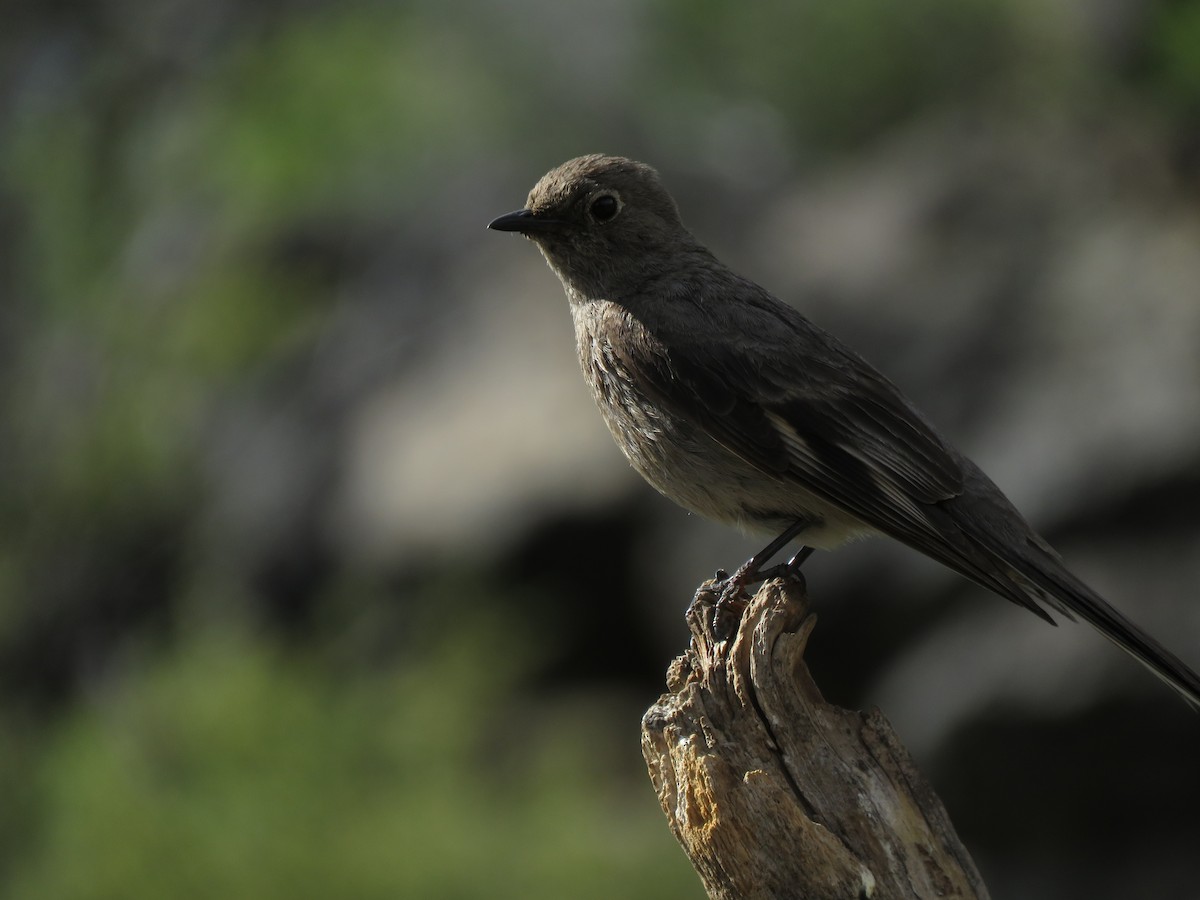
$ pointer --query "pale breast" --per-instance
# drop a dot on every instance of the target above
(673, 453)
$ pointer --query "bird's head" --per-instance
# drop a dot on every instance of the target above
(604, 223)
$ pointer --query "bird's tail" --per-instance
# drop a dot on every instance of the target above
(1065, 593)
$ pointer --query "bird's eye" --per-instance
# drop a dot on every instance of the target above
(604, 207)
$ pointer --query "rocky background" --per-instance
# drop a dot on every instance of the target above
(319, 575)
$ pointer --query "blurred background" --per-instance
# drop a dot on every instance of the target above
(319, 574)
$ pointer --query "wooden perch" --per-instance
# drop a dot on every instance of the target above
(774, 793)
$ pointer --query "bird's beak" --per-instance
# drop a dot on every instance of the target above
(524, 221)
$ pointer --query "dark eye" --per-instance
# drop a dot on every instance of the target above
(604, 207)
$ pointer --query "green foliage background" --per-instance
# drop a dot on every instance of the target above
(230, 768)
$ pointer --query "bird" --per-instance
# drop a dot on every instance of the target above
(737, 407)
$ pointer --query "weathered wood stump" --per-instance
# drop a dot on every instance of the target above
(774, 793)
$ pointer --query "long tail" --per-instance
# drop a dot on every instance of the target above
(1070, 596)
(982, 536)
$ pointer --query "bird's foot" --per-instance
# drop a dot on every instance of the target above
(789, 570)
(731, 598)
(726, 615)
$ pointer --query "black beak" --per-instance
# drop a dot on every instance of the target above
(524, 221)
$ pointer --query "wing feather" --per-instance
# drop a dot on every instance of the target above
(859, 446)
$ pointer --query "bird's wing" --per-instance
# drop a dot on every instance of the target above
(830, 423)
(810, 411)
(862, 448)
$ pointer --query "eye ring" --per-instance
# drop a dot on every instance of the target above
(604, 207)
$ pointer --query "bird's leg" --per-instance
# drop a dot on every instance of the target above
(789, 569)
(750, 572)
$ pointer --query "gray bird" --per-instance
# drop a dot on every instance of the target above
(735, 406)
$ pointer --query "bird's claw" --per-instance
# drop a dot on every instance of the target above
(731, 603)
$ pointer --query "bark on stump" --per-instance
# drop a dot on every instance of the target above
(774, 793)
